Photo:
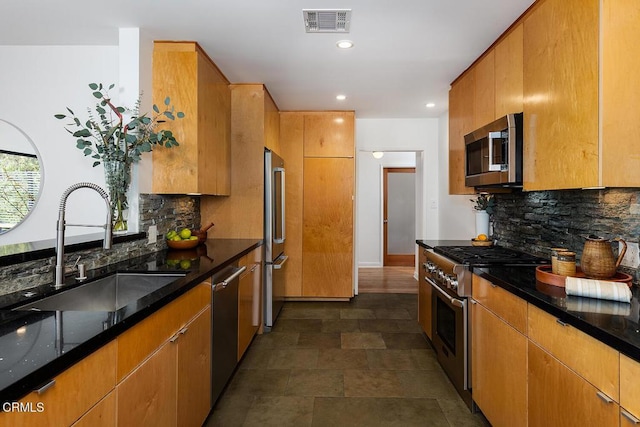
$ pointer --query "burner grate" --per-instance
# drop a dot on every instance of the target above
(495, 255)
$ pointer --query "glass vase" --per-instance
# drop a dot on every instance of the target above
(117, 175)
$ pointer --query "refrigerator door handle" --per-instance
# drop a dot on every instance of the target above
(280, 262)
(280, 239)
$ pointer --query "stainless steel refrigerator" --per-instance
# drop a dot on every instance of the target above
(274, 236)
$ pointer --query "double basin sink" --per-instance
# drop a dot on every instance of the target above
(109, 293)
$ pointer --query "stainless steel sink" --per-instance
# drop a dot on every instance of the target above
(110, 293)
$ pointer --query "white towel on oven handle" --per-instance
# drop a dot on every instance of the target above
(601, 289)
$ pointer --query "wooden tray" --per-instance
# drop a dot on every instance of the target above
(544, 275)
(486, 243)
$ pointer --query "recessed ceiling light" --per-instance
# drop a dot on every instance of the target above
(431, 105)
(378, 154)
(341, 97)
(345, 44)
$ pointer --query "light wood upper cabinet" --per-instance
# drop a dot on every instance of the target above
(561, 95)
(202, 162)
(329, 134)
(461, 122)
(485, 91)
(620, 89)
(508, 73)
(327, 248)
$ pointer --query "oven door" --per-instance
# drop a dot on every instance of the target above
(450, 335)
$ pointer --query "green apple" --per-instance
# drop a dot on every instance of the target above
(185, 233)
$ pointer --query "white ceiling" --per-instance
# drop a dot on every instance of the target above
(406, 52)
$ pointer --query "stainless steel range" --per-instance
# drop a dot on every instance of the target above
(449, 270)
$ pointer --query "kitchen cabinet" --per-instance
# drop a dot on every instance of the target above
(424, 296)
(254, 125)
(327, 242)
(103, 414)
(508, 59)
(498, 328)
(559, 396)
(319, 203)
(484, 93)
(249, 301)
(161, 358)
(201, 164)
(329, 134)
(69, 395)
(620, 88)
(560, 83)
(461, 122)
(629, 391)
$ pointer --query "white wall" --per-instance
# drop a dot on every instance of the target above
(457, 220)
(40, 81)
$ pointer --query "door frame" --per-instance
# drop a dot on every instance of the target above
(393, 260)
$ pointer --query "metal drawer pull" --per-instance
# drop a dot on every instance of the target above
(46, 387)
(278, 265)
(223, 284)
(560, 322)
(604, 397)
(174, 338)
(183, 330)
(630, 417)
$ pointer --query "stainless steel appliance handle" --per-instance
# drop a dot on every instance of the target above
(452, 301)
(493, 166)
(224, 283)
(278, 265)
(282, 215)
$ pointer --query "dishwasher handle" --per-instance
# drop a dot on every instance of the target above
(224, 283)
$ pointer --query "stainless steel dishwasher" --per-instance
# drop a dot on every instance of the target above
(224, 351)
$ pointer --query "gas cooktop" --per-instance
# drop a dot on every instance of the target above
(486, 256)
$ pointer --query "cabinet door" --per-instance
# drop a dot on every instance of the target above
(629, 386)
(147, 397)
(328, 227)
(561, 95)
(461, 107)
(485, 91)
(424, 296)
(500, 392)
(194, 371)
(560, 397)
(329, 134)
(620, 88)
(508, 73)
(103, 414)
(71, 393)
(249, 291)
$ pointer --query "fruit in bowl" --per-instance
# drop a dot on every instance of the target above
(181, 239)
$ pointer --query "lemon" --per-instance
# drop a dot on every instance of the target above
(185, 233)
(482, 237)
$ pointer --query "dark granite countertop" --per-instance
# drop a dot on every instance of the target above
(616, 324)
(31, 353)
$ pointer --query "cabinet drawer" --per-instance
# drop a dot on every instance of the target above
(504, 304)
(596, 362)
(103, 414)
(72, 394)
(139, 342)
(629, 385)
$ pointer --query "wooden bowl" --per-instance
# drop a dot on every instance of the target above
(544, 275)
(183, 244)
(487, 243)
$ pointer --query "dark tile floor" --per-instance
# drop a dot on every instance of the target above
(359, 363)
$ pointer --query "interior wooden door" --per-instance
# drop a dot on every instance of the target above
(399, 216)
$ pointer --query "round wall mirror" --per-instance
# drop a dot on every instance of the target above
(20, 176)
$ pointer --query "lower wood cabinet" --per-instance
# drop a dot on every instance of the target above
(103, 414)
(249, 300)
(629, 391)
(560, 397)
(499, 369)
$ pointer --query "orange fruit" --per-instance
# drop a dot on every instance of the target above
(482, 237)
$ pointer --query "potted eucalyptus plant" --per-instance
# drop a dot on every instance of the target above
(107, 139)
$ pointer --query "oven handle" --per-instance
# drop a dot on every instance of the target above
(452, 301)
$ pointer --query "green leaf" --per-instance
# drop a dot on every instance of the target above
(95, 164)
(180, 114)
(120, 109)
(100, 110)
(87, 151)
(77, 121)
(82, 133)
(96, 156)
(169, 115)
(69, 110)
(145, 147)
(93, 86)
(80, 144)
(97, 94)
(167, 101)
(60, 116)
(155, 108)
(111, 86)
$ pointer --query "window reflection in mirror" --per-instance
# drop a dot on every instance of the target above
(20, 176)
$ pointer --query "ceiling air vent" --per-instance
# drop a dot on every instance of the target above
(327, 21)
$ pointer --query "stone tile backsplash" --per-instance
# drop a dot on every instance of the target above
(537, 221)
(164, 211)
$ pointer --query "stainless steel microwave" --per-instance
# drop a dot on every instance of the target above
(493, 154)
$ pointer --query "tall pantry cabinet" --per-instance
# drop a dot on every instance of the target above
(318, 148)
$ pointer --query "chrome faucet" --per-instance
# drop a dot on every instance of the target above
(62, 224)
